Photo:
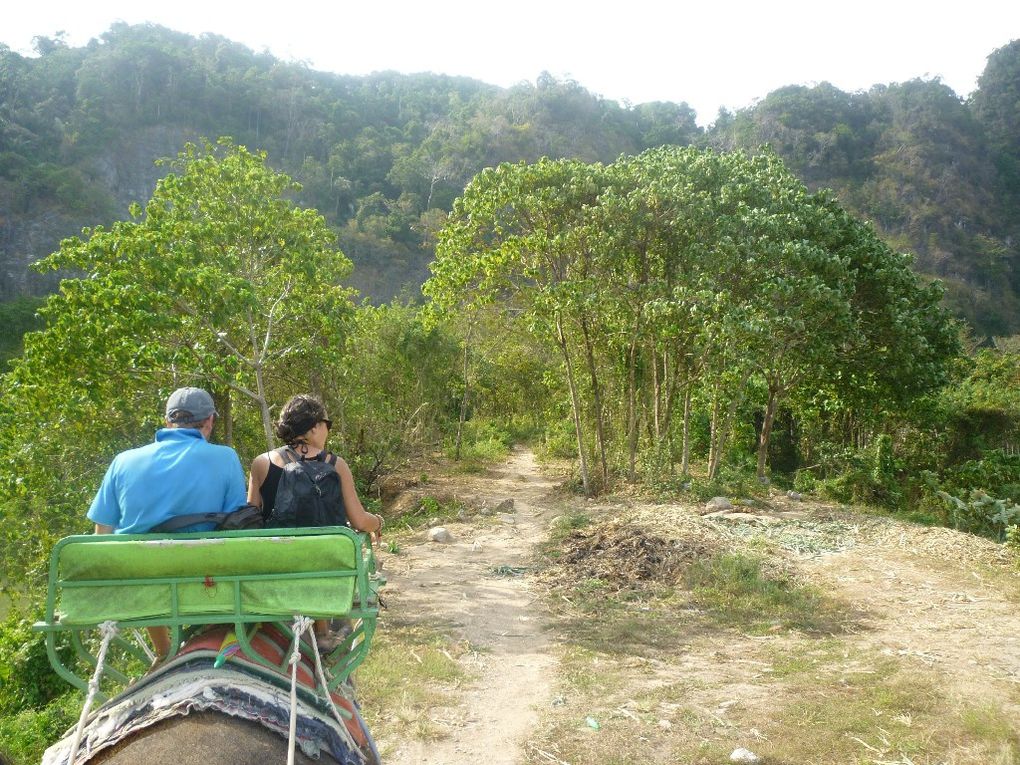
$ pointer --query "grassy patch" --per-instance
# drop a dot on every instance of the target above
(744, 592)
(561, 528)
(724, 592)
(408, 675)
(641, 622)
(793, 701)
(482, 443)
(997, 731)
(843, 705)
(426, 511)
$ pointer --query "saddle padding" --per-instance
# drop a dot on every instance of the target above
(113, 580)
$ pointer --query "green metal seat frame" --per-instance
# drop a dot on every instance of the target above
(176, 612)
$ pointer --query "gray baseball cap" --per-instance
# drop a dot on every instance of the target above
(189, 405)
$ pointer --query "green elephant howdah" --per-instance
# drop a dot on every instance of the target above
(239, 578)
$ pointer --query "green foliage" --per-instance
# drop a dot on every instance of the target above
(25, 735)
(997, 473)
(870, 476)
(17, 317)
(36, 705)
(982, 514)
(685, 273)
(27, 683)
(483, 442)
(559, 441)
(1013, 539)
(393, 389)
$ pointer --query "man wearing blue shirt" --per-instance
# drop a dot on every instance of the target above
(180, 473)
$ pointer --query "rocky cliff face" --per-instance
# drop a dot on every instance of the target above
(125, 171)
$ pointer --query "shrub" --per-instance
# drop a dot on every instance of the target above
(481, 441)
(27, 681)
(996, 472)
(559, 441)
(866, 476)
(25, 735)
(982, 514)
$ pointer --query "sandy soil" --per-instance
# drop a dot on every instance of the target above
(931, 596)
(457, 585)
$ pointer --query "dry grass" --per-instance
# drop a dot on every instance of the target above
(681, 638)
(410, 675)
(685, 638)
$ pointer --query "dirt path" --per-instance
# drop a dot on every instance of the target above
(931, 598)
(457, 585)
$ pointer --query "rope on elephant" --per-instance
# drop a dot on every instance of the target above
(322, 681)
(108, 630)
(142, 643)
(301, 623)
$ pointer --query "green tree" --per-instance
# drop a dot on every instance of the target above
(518, 235)
(221, 281)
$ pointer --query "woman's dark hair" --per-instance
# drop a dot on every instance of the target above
(299, 415)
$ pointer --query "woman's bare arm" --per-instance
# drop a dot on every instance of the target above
(360, 518)
(257, 476)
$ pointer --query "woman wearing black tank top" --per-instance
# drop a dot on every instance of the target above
(304, 427)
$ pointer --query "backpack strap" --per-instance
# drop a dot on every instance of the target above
(288, 454)
(180, 521)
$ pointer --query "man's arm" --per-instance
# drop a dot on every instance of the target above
(235, 492)
(105, 508)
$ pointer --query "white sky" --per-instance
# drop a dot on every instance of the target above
(710, 55)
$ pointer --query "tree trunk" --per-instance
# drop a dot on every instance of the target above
(267, 420)
(575, 406)
(723, 427)
(657, 397)
(685, 459)
(463, 400)
(600, 431)
(766, 430)
(713, 437)
(632, 428)
(228, 418)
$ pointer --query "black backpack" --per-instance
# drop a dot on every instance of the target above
(308, 493)
(242, 519)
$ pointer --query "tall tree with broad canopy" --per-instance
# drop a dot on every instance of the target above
(713, 275)
(520, 235)
(220, 282)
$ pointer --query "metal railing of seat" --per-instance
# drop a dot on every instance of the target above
(179, 581)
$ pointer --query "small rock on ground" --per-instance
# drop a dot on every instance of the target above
(744, 756)
(718, 503)
(439, 534)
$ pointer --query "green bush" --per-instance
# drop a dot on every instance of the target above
(27, 681)
(867, 476)
(982, 514)
(996, 472)
(559, 441)
(1013, 540)
(25, 735)
(481, 441)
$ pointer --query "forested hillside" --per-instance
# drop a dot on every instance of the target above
(677, 311)
(382, 157)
